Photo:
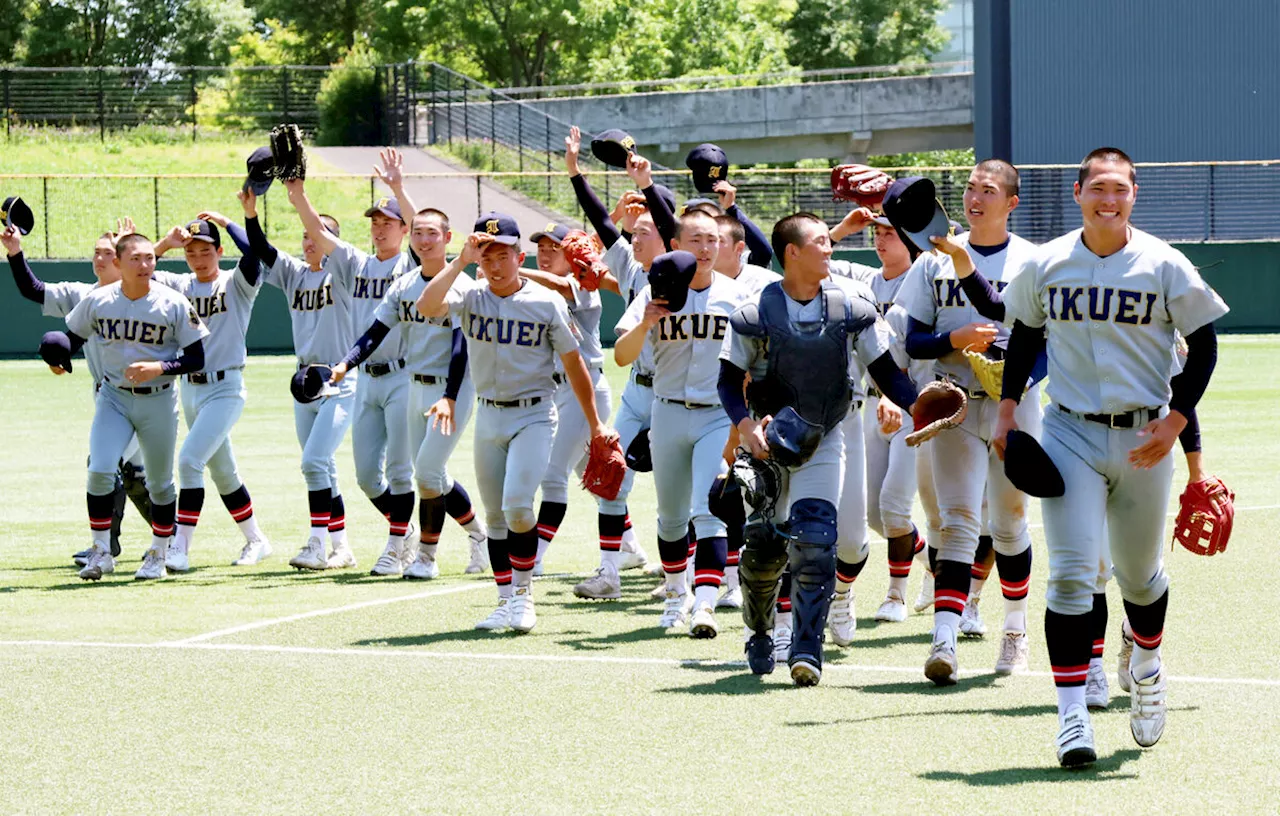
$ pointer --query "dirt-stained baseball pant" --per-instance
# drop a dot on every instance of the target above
(211, 410)
(512, 448)
(688, 454)
(891, 475)
(569, 449)
(635, 412)
(380, 434)
(851, 519)
(119, 415)
(433, 448)
(320, 426)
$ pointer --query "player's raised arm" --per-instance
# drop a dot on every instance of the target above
(431, 303)
(258, 242)
(29, 286)
(391, 173)
(310, 217)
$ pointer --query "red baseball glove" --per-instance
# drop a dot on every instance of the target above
(940, 405)
(1205, 517)
(606, 467)
(583, 256)
(865, 186)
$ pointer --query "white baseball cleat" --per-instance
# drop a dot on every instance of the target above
(675, 612)
(971, 624)
(925, 599)
(408, 550)
(389, 562)
(731, 598)
(152, 566)
(523, 616)
(81, 559)
(479, 553)
(605, 585)
(1075, 739)
(659, 592)
(1097, 691)
(311, 556)
(499, 618)
(175, 557)
(634, 558)
(840, 618)
(342, 557)
(781, 644)
(703, 623)
(893, 610)
(1147, 708)
(1122, 660)
(98, 564)
(423, 568)
(253, 552)
(941, 666)
(1014, 650)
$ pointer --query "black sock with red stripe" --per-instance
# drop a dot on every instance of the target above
(384, 503)
(784, 592)
(101, 509)
(321, 504)
(983, 559)
(901, 550)
(431, 523)
(1069, 639)
(337, 514)
(522, 549)
(550, 515)
(1015, 574)
(237, 502)
(401, 513)
(674, 555)
(933, 561)
(950, 592)
(458, 504)
(611, 529)
(1147, 625)
(708, 562)
(500, 558)
(162, 518)
(1098, 625)
(190, 502)
(847, 573)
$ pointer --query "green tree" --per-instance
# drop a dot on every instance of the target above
(847, 33)
(206, 30)
(326, 30)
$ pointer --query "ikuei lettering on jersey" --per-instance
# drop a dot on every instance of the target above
(211, 305)
(1102, 303)
(370, 288)
(312, 300)
(505, 331)
(135, 331)
(679, 327)
(409, 314)
(951, 295)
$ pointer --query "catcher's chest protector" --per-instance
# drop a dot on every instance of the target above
(808, 362)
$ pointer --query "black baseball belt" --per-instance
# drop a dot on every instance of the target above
(206, 377)
(1128, 420)
(518, 403)
(382, 369)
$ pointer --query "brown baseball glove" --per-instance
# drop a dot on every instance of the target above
(941, 405)
(606, 467)
(584, 259)
(288, 153)
(1205, 516)
(863, 185)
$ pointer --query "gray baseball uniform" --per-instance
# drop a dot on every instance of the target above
(1111, 326)
(635, 407)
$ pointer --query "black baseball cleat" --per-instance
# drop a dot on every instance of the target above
(759, 650)
(805, 671)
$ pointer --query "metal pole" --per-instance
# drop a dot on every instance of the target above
(373, 192)
(466, 122)
(520, 133)
(284, 82)
(194, 101)
(448, 95)
(493, 132)
(155, 198)
(547, 121)
(102, 111)
(7, 73)
(479, 209)
(45, 180)
(1210, 215)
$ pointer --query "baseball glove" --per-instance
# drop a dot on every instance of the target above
(584, 259)
(865, 186)
(606, 467)
(990, 373)
(1205, 517)
(941, 405)
(288, 153)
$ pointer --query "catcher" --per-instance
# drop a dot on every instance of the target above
(801, 339)
(577, 283)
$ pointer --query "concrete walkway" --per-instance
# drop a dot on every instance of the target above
(461, 198)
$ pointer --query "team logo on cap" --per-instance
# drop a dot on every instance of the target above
(628, 143)
(491, 226)
(713, 171)
(384, 202)
(550, 227)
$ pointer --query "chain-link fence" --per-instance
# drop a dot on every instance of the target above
(1177, 202)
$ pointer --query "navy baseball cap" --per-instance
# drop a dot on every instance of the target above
(700, 203)
(385, 206)
(261, 167)
(912, 205)
(556, 232)
(501, 227)
(310, 383)
(639, 453)
(55, 350)
(14, 212)
(1030, 469)
(613, 147)
(206, 231)
(670, 276)
(709, 165)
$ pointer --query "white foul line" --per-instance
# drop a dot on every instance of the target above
(661, 662)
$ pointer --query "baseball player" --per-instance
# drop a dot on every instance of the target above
(148, 335)
(942, 324)
(442, 398)
(568, 451)
(515, 331)
(57, 300)
(689, 427)
(320, 314)
(380, 424)
(1106, 301)
(213, 397)
(803, 340)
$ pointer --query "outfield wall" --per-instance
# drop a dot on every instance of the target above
(1247, 275)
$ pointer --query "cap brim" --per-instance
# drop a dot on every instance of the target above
(610, 152)
(538, 236)
(208, 239)
(937, 227)
(508, 240)
(257, 187)
(1030, 469)
(881, 221)
(372, 211)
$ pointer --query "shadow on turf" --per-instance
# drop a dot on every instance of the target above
(428, 638)
(1104, 769)
(1016, 711)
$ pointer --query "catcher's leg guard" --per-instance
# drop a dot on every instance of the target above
(118, 499)
(135, 485)
(764, 557)
(812, 530)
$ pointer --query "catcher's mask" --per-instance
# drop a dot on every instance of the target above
(792, 439)
(760, 481)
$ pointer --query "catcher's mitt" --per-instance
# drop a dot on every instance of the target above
(990, 373)
(584, 259)
(865, 186)
(288, 153)
(1205, 516)
(941, 405)
(606, 467)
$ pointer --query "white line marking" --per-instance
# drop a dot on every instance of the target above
(319, 613)
(661, 662)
